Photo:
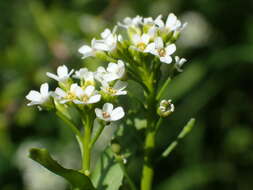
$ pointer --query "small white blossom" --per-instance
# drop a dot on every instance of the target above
(148, 21)
(116, 90)
(172, 23)
(100, 73)
(85, 74)
(87, 96)
(164, 53)
(115, 71)
(141, 41)
(179, 63)
(88, 51)
(39, 98)
(107, 113)
(70, 95)
(109, 41)
(62, 74)
(131, 22)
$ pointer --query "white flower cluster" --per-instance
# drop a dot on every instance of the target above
(84, 88)
(147, 35)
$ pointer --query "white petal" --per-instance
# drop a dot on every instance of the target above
(73, 87)
(60, 92)
(105, 33)
(85, 49)
(112, 67)
(170, 49)
(120, 92)
(158, 43)
(120, 85)
(44, 89)
(108, 77)
(108, 107)
(94, 99)
(166, 59)
(136, 39)
(78, 102)
(145, 38)
(150, 48)
(101, 46)
(53, 76)
(89, 90)
(34, 96)
(158, 21)
(171, 20)
(117, 114)
(62, 71)
(99, 113)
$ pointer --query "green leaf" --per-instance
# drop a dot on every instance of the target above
(78, 180)
(107, 174)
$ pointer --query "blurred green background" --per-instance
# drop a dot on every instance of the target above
(216, 88)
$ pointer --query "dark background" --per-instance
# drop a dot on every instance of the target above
(215, 88)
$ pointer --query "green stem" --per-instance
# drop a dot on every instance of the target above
(148, 171)
(86, 148)
(162, 89)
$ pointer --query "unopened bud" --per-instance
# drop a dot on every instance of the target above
(165, 108)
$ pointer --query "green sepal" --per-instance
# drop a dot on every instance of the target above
(78, 180)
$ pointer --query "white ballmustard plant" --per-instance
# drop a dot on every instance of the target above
(108, 114)
(147, 48)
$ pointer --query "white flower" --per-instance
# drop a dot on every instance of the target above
(172, 23)
(148, 21)
(108, 42)
(85, 74)
(100, 73)
(116, 90)
(158, 48)
(70, 95)
(39, 98)
(62, 74)
(114, 71)
(87, 96)
(141, 41)
(88, 51)
(179, 63)
(131, 22)
(107, 113)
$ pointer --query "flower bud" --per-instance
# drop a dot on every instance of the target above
(165, 108)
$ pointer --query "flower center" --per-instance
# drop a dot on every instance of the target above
(162, 52)
(71, 96)
(85, 98)
(106, 115)
(141, 46)
(111, 90)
